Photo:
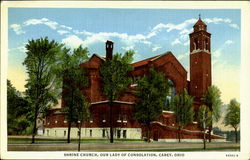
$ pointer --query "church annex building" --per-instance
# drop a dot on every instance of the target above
(164, 128)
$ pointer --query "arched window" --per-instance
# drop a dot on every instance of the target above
(206, 42)
(196, 46)
(171, 94)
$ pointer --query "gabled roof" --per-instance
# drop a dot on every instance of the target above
(146, 61)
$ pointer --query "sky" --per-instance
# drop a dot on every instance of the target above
(149, 32)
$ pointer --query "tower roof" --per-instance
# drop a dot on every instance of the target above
(199, 22)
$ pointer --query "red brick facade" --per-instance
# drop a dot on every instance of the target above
(164, 127)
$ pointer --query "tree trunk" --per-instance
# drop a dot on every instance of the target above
(79, 140)
(204, 139)
(209, 132)
(148, 132)
(34, 128)
(69, 128)
(236, 137)
(111, 121)
(70, 110)
(179, 134)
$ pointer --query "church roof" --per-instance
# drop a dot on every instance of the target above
(145, 61)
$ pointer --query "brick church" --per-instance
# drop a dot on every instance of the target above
(164, 128)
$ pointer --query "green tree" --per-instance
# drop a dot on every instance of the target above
(232, 117)
(183, 112)
(41, 85)
(114, 73)
(152, 91)
(17, 108)
(74, 80)
(212, 99)
(205, 120)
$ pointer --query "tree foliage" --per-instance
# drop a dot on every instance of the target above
(212, 99)
(152, 91)
(41, 85)
(17, 108)
(205, 120)
(182, 107)
(114, 74)
(74, 80)
(232, 117)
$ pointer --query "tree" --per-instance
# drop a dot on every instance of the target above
(74, 80)
(232, 117)
(212, 99)
(114, 73)
(205, 120)
(83, 114)
(17, 108)
(183, 112)
(152, 91)
(41, 85)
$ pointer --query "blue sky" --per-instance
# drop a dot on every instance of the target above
(148, 31)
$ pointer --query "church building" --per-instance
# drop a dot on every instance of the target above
(165, 127)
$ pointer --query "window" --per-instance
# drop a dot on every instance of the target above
(104, 118)
(47, 132)
(119, 118)
(90, 133)
(103, 133)
(124, 117)
(91, 119)
(118, 133)
(64, 133)
(171, 94)
(124, 134)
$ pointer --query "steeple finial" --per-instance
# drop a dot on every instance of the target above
(199, 16)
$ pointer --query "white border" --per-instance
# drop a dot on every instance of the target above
(244, 82)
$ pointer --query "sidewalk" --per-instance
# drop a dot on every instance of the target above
(113, 147)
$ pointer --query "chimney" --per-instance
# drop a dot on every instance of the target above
(109, 50)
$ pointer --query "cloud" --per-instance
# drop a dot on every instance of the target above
(127, 48)
(52, 24)
(228, 42)
(180, 57)
(62, 32)
(176, 41)
(82, 32)
(22, 49)
(216, 20)
(66, 27)
(235, 26)
(17, 29)
(156, 48)
(217, 53)
(186, 43)
(184, 33)
(169, 26)
(72, 41)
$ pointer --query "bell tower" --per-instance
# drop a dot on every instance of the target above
(200, 60)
